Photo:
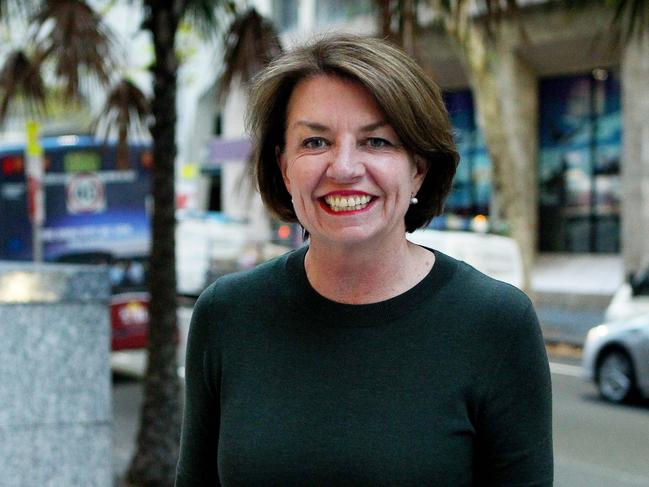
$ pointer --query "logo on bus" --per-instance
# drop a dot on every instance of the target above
(85, 193)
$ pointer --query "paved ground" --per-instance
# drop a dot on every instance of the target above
(572, 291)
(596, 444)
(584, 274)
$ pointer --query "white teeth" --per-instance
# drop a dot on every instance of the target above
(342, 203)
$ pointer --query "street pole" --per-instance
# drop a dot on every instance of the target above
(35, 193)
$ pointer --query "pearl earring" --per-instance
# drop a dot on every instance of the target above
(413, 200)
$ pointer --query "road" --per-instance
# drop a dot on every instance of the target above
(596, 444)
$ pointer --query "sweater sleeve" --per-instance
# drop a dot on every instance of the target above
(514, 437)
(197, 464)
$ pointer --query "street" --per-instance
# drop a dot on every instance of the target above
(596, 444)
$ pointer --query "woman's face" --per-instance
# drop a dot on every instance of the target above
(348, 174)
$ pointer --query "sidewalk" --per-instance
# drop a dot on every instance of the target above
(572, 291)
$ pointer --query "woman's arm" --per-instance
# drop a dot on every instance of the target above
(514, 437)
(197, 465)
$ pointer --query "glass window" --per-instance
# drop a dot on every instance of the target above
(472, 184)
(579, 163)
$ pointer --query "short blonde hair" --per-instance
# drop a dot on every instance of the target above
(410, 100)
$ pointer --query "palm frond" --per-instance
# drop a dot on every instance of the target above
(251, 43)
(126, 111)
(20, 77)
(8, 8)
(631, 18)
(207, 15)
(73, 35)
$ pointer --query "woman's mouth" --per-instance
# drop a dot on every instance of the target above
(338, 203)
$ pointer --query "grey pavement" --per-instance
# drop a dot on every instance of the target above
(572, 291)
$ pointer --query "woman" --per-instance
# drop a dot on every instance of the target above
(361, 359)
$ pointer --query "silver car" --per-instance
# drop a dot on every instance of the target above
(616, 358)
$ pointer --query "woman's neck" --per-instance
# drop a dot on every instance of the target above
(357, 275)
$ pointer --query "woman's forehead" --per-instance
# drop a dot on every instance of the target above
(318, 100)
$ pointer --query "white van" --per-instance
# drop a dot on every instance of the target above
(210, 244)
(203, 239)
(497, 256)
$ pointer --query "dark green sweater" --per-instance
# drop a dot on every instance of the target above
(445, 385)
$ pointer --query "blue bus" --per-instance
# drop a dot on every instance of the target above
(96, 212)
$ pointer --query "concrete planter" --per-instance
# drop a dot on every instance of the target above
(55, 385)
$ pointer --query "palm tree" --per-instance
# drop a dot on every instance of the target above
(68, 34)
(251, 42)
(78, 43)
(20, 78)
(155, 459)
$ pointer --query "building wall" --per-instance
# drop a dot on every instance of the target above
(635, 167)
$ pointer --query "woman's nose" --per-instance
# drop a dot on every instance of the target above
(345, 164)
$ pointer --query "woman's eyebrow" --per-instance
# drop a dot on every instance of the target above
(373, 126)
(318, 127)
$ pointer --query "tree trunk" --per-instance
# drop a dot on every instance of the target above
(122, 148)
(154, 463)
(384, 20)
(506, 98)
(408, 23)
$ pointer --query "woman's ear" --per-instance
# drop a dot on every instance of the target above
(280, 157)
(421, 169)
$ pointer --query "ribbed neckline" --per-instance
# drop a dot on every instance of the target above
(307, 302)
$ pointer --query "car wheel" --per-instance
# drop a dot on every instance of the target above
(615, 377)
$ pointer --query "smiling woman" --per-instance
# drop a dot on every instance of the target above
(362, 358)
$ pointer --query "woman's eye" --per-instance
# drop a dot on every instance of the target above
(377, 143)
(314, 143)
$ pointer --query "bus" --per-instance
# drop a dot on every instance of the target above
(95, 212)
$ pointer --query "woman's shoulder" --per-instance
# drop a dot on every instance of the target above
(483, 295)
(238, 299)
(491, 315)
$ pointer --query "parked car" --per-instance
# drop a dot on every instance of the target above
(616, 358)
(631, 299)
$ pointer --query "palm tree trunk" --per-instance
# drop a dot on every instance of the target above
(157, 446)
(408, 24)
(122, 148)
